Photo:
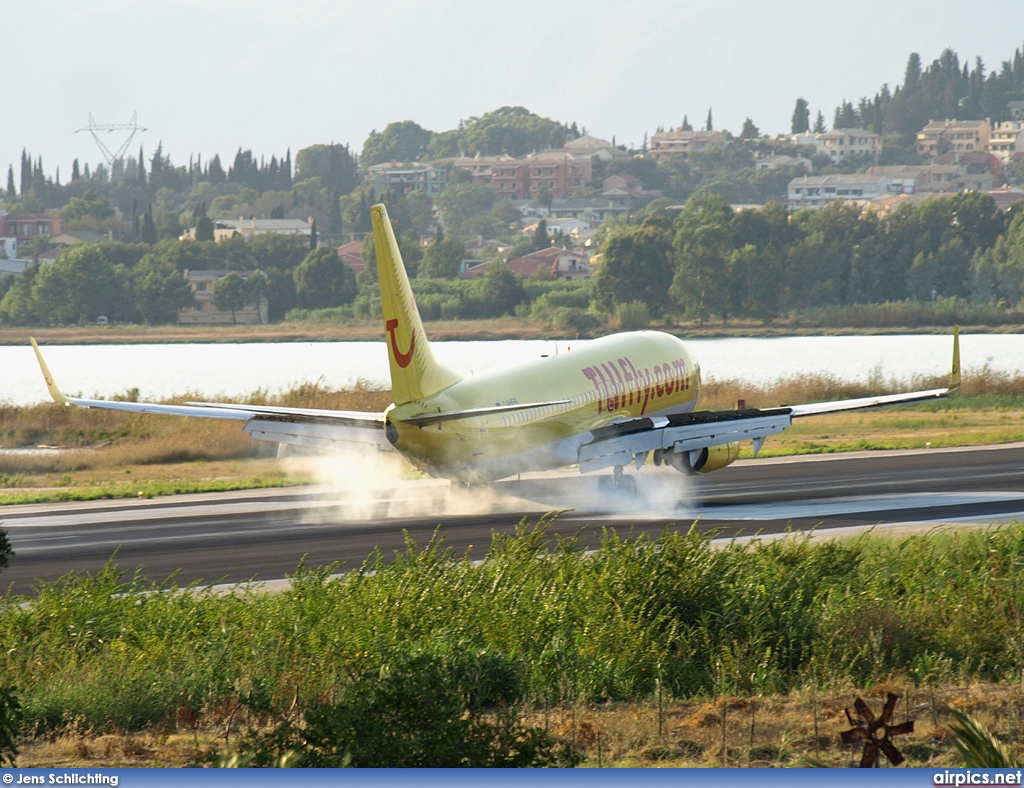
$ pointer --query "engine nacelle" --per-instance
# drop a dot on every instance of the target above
(715, 457)
(703, 460)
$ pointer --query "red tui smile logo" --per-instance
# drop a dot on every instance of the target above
(403, 359)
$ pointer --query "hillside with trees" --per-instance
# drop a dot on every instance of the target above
(682, 253)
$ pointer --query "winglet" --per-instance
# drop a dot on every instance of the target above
(54, 391)
(954, 378)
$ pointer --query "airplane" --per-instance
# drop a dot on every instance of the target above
(611, 403)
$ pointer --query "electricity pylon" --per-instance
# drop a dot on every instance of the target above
(118, 155)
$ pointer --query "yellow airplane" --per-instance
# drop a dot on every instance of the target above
(609, 403)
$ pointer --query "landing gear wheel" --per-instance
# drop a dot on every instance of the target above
(627, 485)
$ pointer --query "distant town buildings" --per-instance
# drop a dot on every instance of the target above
(248, 228)
(680, 144)
(408, 177)
(1006, 139)
(27, 226)
(559, 263)
(840, 143)
(943, 136)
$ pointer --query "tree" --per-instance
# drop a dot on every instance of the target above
(845, 117)
(231, 294)
(501, 289)
(400, 141)
(686, 124)
(333, 164)
(78, 286)
(702, 249)
(512, 130)
(750, 131)
(160, 290)
(312, 235)
(442, 258)
(819, 123)
(461, 202)
(90, 205)
(204, 225)
(636, 265)
(334, 213)
(801, 117)
(11, 192)
(541, 239)
(708, 126)
(148, 232)
(323, 280)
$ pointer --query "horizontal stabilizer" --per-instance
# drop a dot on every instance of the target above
(426, 419)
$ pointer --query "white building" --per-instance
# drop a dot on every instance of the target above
(815, 191)
(840, 143)
(1006, 139)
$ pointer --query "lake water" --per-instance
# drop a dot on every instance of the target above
(229, 370)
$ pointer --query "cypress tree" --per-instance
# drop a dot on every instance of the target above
(686, 125)
(141, 174)
(135, 220)
(148, 227)
(75, 174)
(312, 235)
(26, 172)
(334, 214)
(709, 126)
(11, 192)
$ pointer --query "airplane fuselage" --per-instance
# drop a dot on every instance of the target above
(644, 373)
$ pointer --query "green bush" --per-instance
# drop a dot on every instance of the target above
(574, 320)
(633, 316)
(422, 707)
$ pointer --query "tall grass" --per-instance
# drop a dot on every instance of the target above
(536, 614)
(908, 314)
(106, 439)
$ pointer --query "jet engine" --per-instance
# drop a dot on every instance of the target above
(705, 460)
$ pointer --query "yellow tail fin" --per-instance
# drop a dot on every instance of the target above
(415, 374)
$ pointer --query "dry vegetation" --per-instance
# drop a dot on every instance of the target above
(441, 330)
(773, 731)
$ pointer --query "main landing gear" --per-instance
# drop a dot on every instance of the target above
(619, 482)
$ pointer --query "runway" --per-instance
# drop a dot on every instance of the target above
(263, 534)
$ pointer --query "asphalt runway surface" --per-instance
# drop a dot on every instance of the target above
(263, 535)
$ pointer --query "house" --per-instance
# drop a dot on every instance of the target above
(815, 191)
(595, 148)
(203, 283)
(248, 228)
(626, 190)
(670, 144)
(1006, 139)
(943, 136)
(840, 143)
(26, 226)
(408, 177)
(76, 238)
(592, 210)
(560, 263)
(1005, 197)
(479, 243)
(970, 173)
(558, 173)
(351, 254)
(775, 162)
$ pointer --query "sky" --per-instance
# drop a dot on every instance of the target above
(210, 76)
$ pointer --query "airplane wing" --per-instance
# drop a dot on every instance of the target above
(690, 434)
(298, 426)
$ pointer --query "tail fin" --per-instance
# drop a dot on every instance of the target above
(415, 374)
